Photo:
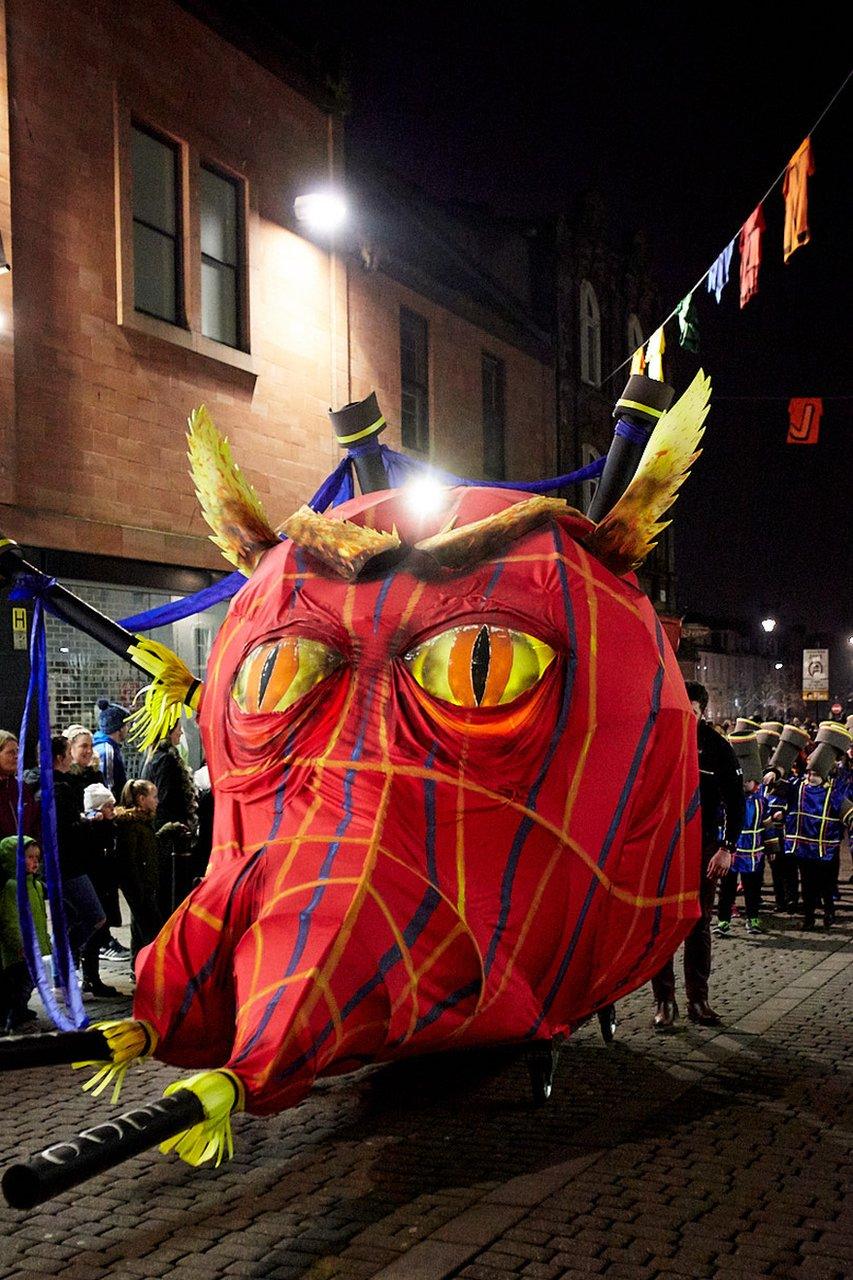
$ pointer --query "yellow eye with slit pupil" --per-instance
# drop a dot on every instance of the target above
(479, 665)
(279, 672)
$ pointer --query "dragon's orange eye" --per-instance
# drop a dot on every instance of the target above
(479, 665)
(278, 672)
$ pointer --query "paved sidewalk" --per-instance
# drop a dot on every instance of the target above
(718, 1153)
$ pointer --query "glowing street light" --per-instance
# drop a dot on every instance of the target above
(321, 211)
(778, 666)
(769, 624)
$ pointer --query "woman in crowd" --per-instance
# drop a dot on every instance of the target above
(9, 791)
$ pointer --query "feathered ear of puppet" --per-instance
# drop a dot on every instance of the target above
(228, 502)
(626, 535)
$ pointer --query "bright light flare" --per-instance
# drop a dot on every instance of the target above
(424, 495)
(321, 211)
(778, 666)
(769, 624)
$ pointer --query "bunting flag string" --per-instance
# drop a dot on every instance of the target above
(748, 240)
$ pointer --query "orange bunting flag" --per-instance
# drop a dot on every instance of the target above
(795, 190)
(804, 414)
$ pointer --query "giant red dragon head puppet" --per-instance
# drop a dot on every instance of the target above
(455, 780)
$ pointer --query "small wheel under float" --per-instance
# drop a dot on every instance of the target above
(607, 1022)
(541, 1066)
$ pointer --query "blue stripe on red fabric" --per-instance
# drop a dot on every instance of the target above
(198, 980)
(607, 843)
(429, 818)
(527, 823)
(323, 874)
(664, 876)
(380, 601)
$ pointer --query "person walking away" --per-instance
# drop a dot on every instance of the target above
(720, 788)
(16, 985)
(112, 732)
(9, 791)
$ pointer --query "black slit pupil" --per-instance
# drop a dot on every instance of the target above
(266, 673)
(480, 664)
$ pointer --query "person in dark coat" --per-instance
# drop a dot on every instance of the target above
(112, 732)
(720, 790)
(139, 858)
(85, 771)
(83, 909)
(177, 813)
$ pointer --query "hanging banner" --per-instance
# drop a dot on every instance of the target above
(815, 675)
(804, 415)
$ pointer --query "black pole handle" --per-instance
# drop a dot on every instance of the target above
(52, 1048)
(65, 605)
(66, 1164)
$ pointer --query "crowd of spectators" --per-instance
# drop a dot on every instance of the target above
(135, 843)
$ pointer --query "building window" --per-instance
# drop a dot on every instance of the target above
(221, 266)
(494, 417)
(588, 455)
(414, 381)
(590, 322)
(635, 333)
(157, 275)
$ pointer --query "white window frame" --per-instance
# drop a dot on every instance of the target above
(589, 453)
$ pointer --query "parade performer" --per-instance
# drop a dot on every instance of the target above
(748, 858)
(818, 808)
(448, 811)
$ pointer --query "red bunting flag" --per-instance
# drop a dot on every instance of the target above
(750, 254)
(804, 414)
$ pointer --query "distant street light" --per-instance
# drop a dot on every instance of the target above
(321, 211)
(769, 624)
(778, 666)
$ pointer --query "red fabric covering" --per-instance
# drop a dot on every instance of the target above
(392, 873)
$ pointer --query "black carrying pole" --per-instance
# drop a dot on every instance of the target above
(53, 1048)
(66, 1164)
(65, 605)
(641, 404)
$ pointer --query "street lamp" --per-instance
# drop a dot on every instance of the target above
(768, 624)
(321, 211)
(778, 666)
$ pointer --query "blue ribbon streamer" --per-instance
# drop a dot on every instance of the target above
(632, 431)
(63, 961)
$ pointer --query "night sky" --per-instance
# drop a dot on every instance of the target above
(682, 130)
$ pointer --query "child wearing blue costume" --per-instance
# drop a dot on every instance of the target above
(817, 810)
(748, 857)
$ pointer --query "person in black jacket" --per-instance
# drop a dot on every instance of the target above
(721, 800)
(176, 820)
(83, 909)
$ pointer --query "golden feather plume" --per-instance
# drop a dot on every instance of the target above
(626, 535)
(229, 504)
(173, 691)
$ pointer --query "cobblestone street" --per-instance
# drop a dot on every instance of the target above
(719, 1153)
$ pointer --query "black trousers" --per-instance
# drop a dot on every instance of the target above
(751, 881)
(697, 946)
(786, 888)
(817, 886)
